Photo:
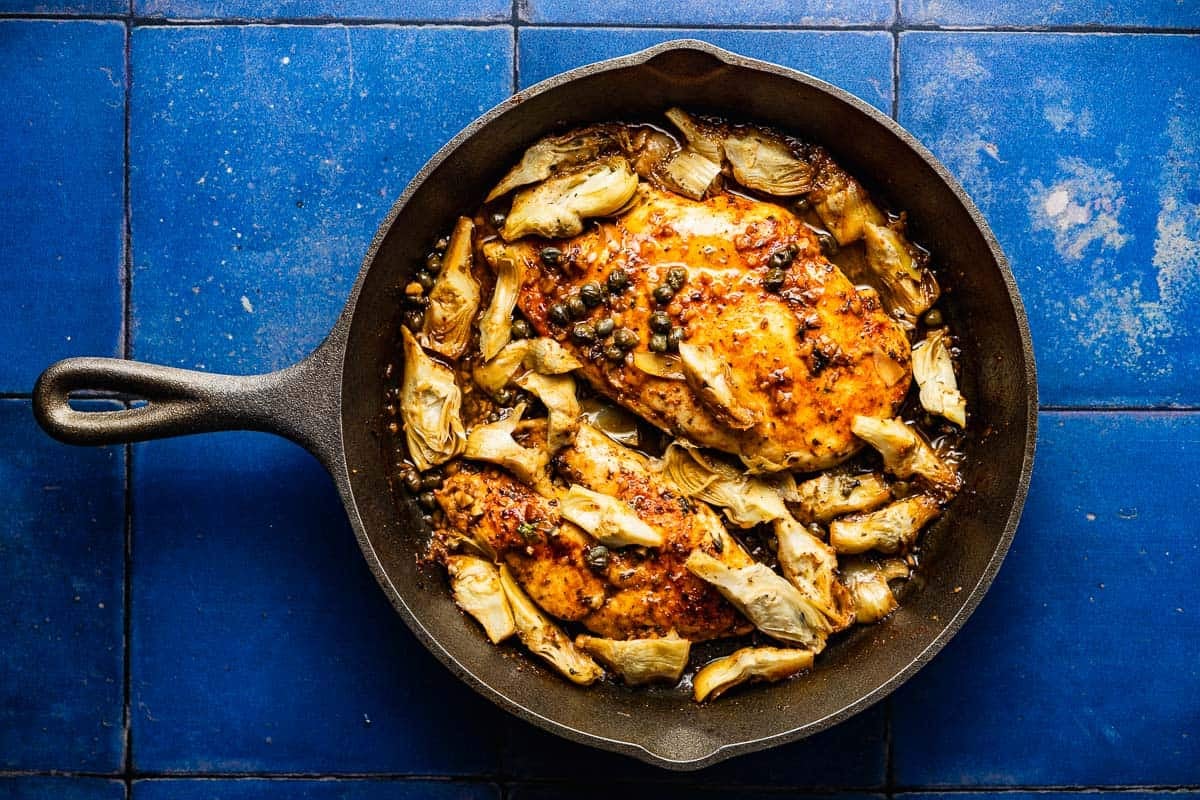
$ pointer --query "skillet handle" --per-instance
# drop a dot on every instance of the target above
(299, 402)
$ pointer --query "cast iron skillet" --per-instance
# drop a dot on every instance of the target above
(331, 402)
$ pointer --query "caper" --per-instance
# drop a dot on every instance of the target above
(496, 219)
(782, 258)
(431, 480)
(676, 278)
(625, 339)
(558, 314)
(617, 280)
(412, 481)
(520, 329)
(504, 397)
(802, 205)
(576, 307)
(441, 244)
(933, 318)
(591, 294)
(604, 327)
(658, 343)
(427, 500)
(774, 279)
(583, 333)
(675, 337)
(663, 294)
(425, 279)
(433, 262)
(829, 245)
(551, 256)
(596, 557)
(413, 319)
(660, 322)
(614, 354)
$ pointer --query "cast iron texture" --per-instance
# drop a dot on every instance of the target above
(331, 404)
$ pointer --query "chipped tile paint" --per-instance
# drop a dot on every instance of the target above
(1081, 208)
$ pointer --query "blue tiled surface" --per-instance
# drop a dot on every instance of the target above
(1080, 666)
(731, 12)
(858, 61)
(47, 788)
(61, 122)
(358, 9)
(1096, 202)
(1121, 13)
(262, 159)
(62, 548)
(261, 642)
(263, 660)
(310, 790)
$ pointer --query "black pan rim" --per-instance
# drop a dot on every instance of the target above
(951, 627)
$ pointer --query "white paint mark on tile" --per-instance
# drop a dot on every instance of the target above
(247, 306)
(285, 60)
(1081, 208)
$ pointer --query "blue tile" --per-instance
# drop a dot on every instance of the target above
(1096, 201)
(1079, 668)
(63, 224)
(39, 788)
(62, 545)
(64, 6)
(257, 789)
(1119, 13)
(603, 789)
(731, 12)
(852, 754)
(263, 159)
(261, 642)
(359, 9)
(860, 62)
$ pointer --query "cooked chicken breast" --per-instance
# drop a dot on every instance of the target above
(638, 592)
(774, 377)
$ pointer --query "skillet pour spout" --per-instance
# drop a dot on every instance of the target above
(332, 404)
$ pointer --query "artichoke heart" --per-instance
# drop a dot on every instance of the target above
(557, 393)
(495, 444)
(454, 298)
(867, 581)
(613, 421)
(904, 452)
(934, 370)
(890, 258)
(553, 154)
(429, 405)
(477, 590)
(557, 207)
(703, 138)
(640, 661)
(811, 566)
(544, 638)
(830, 495)
(747, 501)
(607, 519)
(544, 356)
(495, 326)
(889, 529)
(660, 366)
(748, 665)
(690, 174)
(776, 607)
(767, 164)
(710, 378)
(842, 203)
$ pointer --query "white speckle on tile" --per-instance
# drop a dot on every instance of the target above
(285, 60)
(1081, 208)
(247, 306)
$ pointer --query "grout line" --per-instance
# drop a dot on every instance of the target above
(896, 63)
(516, 32)
(127, 352)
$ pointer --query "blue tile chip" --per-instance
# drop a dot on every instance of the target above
(263, 159)
(262, 643)
(399, 10)
(858, 61)
(63, 224)
(1079, 668)
(62, 546)
(1108, 13)
(713, 12)
(1082, 152)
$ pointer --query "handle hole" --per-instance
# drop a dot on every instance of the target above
(94, 405)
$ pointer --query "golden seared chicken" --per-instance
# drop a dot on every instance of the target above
(618, 593)
(721, 322)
